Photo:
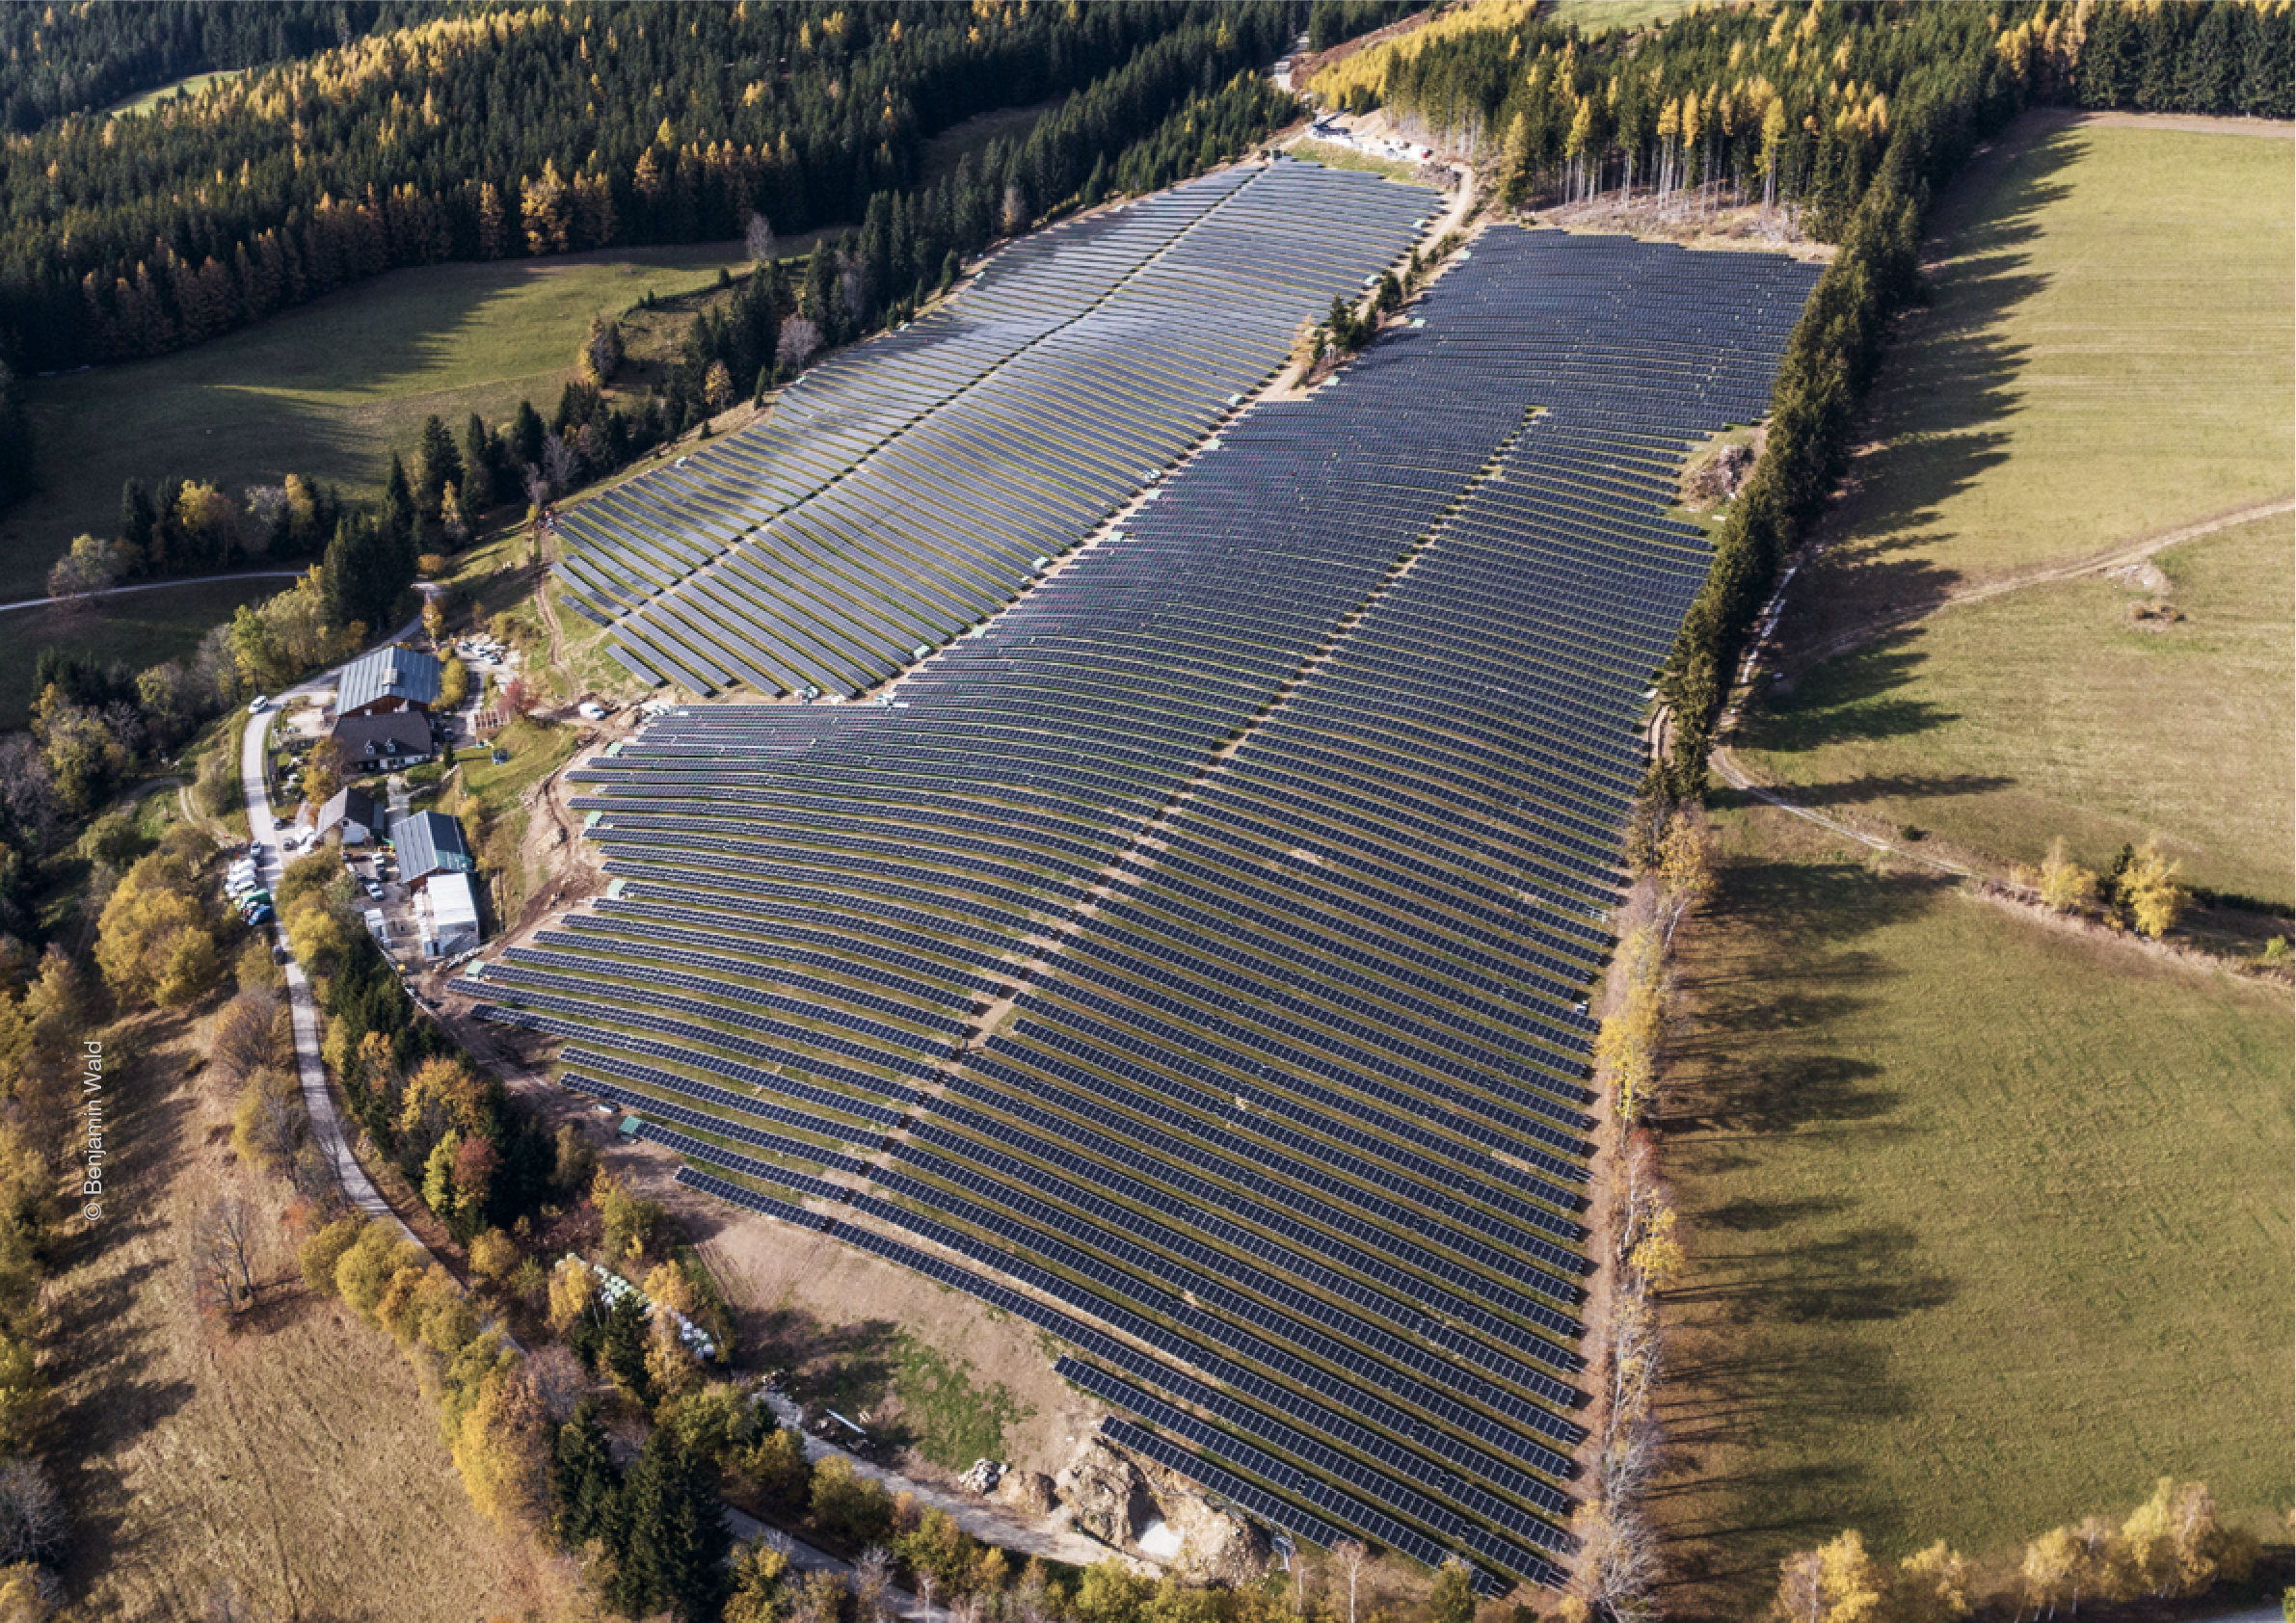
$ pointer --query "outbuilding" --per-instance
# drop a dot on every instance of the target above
(387, 681)
(448, 910)
(430, 844)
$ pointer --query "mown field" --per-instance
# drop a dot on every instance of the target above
(2051, 711)
(142, 628)
(294, 1464)
(328, 390)
(1597, 17)
(1990, 1223)
(2106, 357)
(189, 87)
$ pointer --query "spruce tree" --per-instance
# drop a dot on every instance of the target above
(586, 1486)
(398, 498)
(526, 437)
(625, 1348)
(137, 517)
(676, 1540)
(438, 465)
(481, 474)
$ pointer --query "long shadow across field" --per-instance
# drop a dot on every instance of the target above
(1773, 1269)
(1941, 399)
(109, 1350)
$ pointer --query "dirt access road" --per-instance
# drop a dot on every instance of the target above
(2097, 563)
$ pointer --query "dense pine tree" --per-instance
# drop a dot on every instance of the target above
(675, 1539)
(438, 465)
(495, 131)
(585, 1484)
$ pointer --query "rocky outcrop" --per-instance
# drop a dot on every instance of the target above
(1105, 1495)
(1028, 1492)
(1118, 1499)
(1216, 1546)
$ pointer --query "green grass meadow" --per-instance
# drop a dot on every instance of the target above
(1990, 1223)
(2107, 355)
(2048, 711)
(1600, 16)
(2077, 385)
(142, 628)
(328, 390)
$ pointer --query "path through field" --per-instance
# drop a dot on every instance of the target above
(156, 586)
(2100, 562)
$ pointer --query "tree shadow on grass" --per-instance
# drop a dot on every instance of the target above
(1773, 1347)
(1939, 406)
(1854, 698)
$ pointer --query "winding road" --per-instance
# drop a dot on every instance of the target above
(262, 827)
(327, 1131)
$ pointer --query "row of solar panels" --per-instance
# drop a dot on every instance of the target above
(1309, 1001)
(913, 526)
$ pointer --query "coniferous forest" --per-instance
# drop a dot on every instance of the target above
(80, 58)
(1795, 105)
(498, 132)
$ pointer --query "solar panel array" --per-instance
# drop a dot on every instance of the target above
(906, 490)
(1193, 959)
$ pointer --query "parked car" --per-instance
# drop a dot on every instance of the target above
(260, 704)
(261, 916)
(374, 890)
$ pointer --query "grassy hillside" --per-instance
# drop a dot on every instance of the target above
(1990, 1223)
(186, 86)
(2051, 711)
(2107, 355)
(1595, 16)
(144, 628)
(328, 390)
(295, 1461)
(2075, 387)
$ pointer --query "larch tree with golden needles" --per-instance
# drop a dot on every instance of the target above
(1627, 1043)
(2065, 885)
(1838, 1582)
(1932, 1586)
(1685, 865)
(2153, 891)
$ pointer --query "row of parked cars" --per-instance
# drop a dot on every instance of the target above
(483, 651)
(244, 889)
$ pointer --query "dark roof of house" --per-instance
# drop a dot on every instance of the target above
(430, 842)
(351, 806)
(402, 673)
(394, 733)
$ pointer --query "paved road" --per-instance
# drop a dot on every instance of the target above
(327, 1127)
(159, 586)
